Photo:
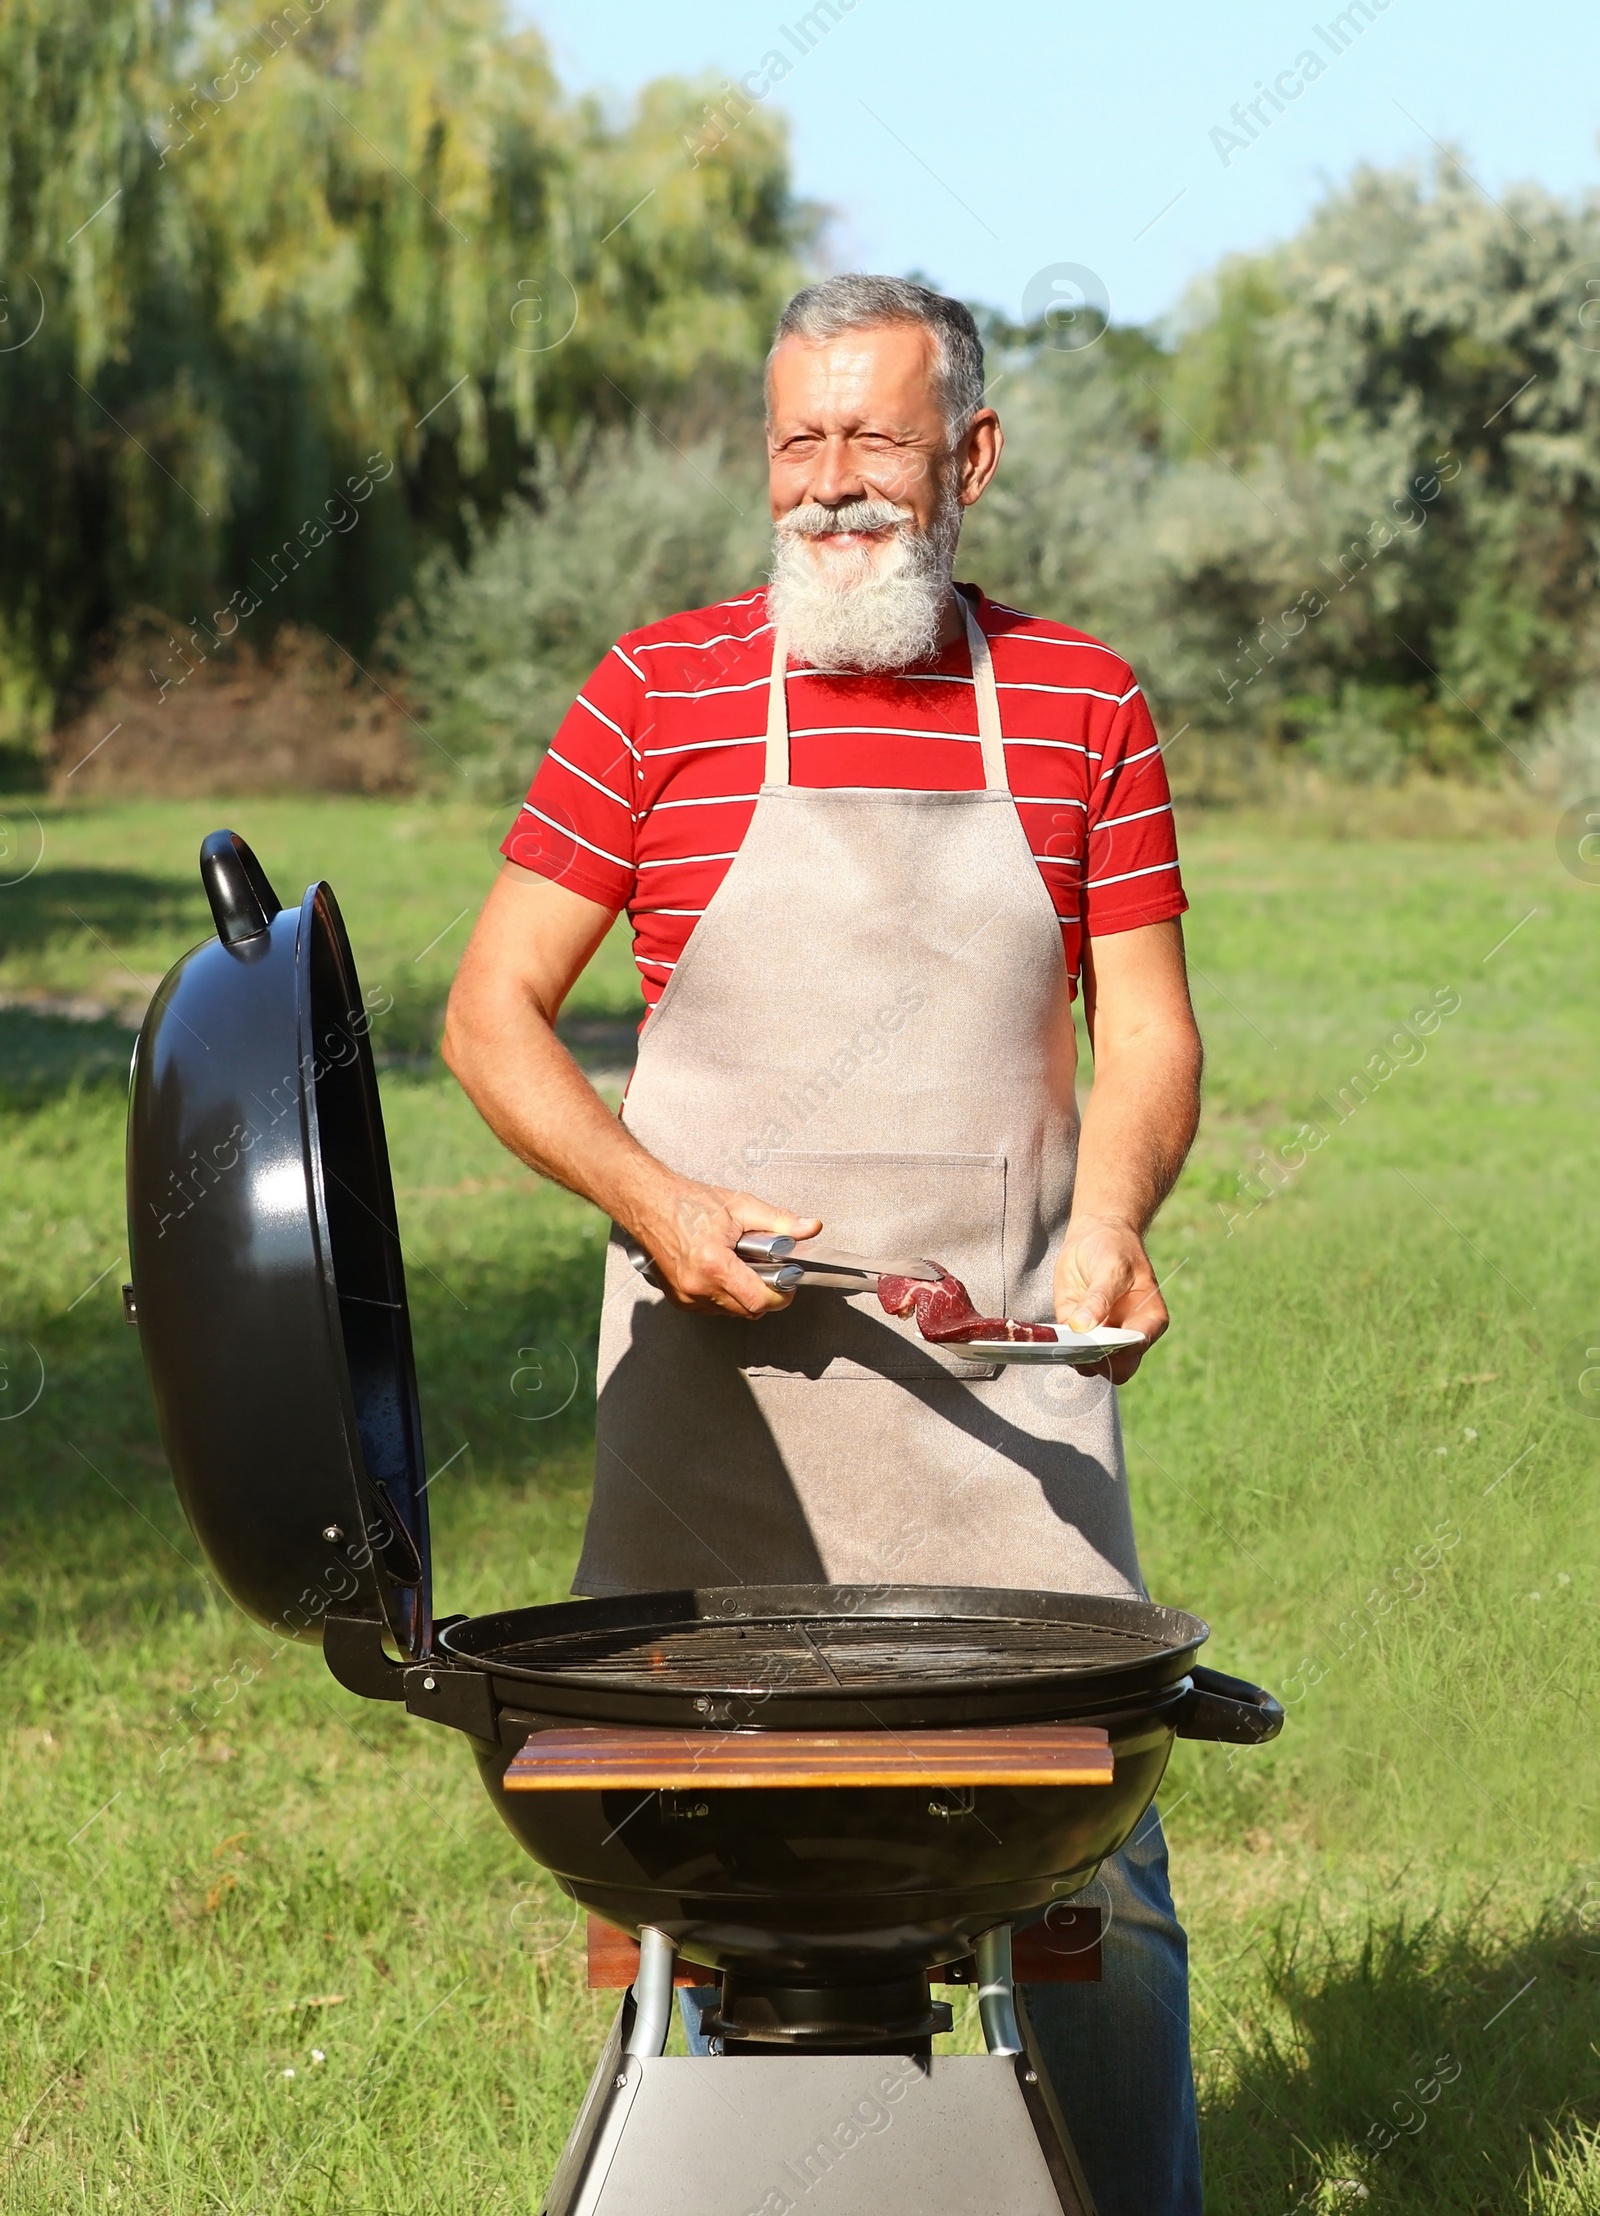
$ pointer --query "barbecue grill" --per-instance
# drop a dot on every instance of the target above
(818, 1797)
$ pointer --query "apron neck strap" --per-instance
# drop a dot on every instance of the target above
(778, 712)
(983, 684)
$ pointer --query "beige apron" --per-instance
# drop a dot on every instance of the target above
(870, 1024)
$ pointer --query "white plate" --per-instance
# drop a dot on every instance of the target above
(1079, 1349)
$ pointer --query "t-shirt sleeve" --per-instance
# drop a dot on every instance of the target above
(1133, 875)
(576, 826)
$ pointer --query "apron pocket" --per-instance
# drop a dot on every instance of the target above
(948, 1208)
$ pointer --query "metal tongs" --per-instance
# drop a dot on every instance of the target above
(786, 1262)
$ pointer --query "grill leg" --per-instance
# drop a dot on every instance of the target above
(997, 1994)
(1006, 2031)
(592, 2142)
(1061, 2157)
(652, 1994)
(638, 2036)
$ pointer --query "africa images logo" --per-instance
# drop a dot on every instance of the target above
(1252, 117)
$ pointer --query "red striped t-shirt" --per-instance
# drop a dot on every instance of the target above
(651, 781)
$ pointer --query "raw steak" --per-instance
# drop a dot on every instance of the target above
(945, 1314)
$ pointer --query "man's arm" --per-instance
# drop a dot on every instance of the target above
(527, 951)
(1143, 1109)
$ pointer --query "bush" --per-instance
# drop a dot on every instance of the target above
(293, 715)
(627, 532)
(1565, 766)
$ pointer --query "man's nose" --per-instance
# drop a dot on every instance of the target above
(836, 476)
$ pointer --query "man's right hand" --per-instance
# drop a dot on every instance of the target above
(690, 1235)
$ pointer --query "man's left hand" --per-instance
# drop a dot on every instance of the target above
(1103, 1276)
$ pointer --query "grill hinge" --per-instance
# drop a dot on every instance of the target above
(463, 1699)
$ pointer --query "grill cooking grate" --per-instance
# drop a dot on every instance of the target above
(877, 1653)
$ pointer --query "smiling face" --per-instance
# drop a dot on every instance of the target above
(867, 490)
(859, 417)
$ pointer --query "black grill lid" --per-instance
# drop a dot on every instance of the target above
(267, 1276)
(802, 1656)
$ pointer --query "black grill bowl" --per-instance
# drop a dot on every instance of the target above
(833, 1884)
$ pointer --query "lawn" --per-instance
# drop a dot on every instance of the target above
(265, 1947)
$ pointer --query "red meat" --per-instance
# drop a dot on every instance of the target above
(945, 1313)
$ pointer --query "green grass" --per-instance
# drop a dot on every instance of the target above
(1361, 1454)
(112, 895)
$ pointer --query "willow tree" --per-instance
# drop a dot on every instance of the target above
(366, 243)
(83, 208)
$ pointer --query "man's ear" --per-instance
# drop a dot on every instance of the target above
(984, 443)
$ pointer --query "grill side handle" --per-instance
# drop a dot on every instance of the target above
(242, 899)
(1229, 1709)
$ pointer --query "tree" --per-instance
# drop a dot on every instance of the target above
(339, 247)
(1355, 502)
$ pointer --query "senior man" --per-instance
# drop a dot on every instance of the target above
(872, 830)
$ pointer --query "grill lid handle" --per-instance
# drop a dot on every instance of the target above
(243, 902)
(1228, 1708)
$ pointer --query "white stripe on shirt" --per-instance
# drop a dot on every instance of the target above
(567, 833)
(1154, 870)
(676, 861)
(1128, 761)
(573, 770)
(709, 692)
(698, 746)
(1030, 638)
(1136, 815)
(895, 676)
(600, 717)
(1086, 692)
(723, 638)
(710, 800)
(877, 730)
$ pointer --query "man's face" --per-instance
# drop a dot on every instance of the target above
(857, 418)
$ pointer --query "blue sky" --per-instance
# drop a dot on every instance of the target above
(982, 145)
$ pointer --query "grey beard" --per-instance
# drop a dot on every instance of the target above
(883, 613)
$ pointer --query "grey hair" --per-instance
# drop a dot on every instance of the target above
(860, 303)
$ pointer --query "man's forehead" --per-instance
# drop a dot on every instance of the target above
(886, 370)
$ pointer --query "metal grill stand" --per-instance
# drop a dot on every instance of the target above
(892, 2133)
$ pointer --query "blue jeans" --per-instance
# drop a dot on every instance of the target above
(1117, 2053)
